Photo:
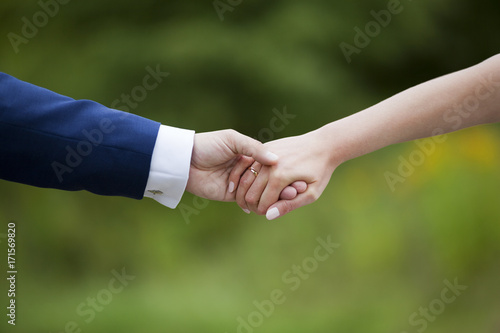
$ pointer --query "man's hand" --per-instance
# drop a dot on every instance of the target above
(214, 156)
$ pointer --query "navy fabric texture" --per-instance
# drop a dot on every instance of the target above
(53, 141)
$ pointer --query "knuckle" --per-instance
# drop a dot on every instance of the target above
(312, 195)
(288, 206)
(229, 132)
(244, 183)
(251, 199)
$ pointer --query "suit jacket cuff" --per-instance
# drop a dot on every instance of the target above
(170, 162)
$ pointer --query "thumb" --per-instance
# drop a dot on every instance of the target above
(283, 207)
(244, 145)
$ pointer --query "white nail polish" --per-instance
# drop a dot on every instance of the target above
(271, 156)
(246, 211)
(272, 213)
(231, 187)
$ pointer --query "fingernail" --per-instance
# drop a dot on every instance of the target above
(246, 211)
(272, 213)
(271, 156)
(231, 187)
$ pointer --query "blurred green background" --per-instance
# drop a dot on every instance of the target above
(200, 273)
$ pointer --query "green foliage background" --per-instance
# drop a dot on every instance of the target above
(396, 247)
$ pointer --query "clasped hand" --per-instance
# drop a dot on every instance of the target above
(288, 173)
(303, 163)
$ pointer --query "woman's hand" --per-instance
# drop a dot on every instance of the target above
(308, 158)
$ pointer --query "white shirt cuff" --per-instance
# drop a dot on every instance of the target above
(170, 164)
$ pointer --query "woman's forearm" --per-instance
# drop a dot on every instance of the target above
(462, 99)
(458, 100)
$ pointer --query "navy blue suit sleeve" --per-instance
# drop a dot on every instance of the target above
(50, 140)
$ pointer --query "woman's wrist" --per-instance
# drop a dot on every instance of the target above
(334, 144)
(350, 137)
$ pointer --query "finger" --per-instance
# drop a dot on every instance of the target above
(255, 191)
(288, 193)
(300, 186)
(272, 193)
(242, 144)
(237, 172)
(245, 182)
(291, 191)
(283, 207)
